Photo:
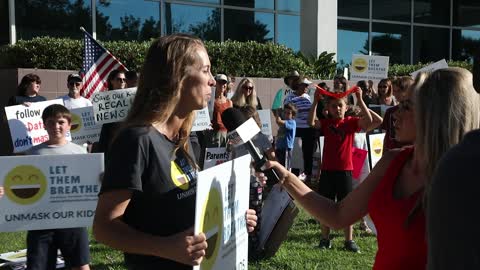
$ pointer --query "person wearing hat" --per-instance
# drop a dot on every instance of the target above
(219, 135)
(301, 99)
(278, 101)
(73, 99)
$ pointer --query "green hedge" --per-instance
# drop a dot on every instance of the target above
(231, 57)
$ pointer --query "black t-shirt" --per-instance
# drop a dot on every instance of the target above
(163, 185)
(17, 100)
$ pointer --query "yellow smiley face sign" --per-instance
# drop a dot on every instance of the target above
(76, 123)
(25, 184)
(212, 226)
(377, 147)
(360, 64)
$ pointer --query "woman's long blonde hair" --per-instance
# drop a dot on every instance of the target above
(238, 98)
(446, 108)
(168, 63)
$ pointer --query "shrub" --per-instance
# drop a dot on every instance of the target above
(231, 57)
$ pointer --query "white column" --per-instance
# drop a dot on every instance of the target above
(318, 26)
(11, 21)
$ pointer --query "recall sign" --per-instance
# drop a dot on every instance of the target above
(112, 106)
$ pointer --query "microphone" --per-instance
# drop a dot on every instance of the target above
(233, 118)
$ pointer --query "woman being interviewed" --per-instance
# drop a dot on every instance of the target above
(146, 205)
(439, 110)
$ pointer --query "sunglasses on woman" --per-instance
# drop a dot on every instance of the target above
(248, 87)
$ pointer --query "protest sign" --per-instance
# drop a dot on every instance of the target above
(379, 109)
(215, 156)
(112, 106)
(266, 121)
(202, 120)
(84, 129)
(368, 67)
(221, 204)
(375, 148)
(49, 191)
(431, 68)
(26, 124)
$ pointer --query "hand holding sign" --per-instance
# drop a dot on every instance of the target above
(186, 248)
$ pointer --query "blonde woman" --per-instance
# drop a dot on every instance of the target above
(439, 110)
(142, 209)
(246, 94)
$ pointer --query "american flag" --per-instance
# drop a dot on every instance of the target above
(97, 64)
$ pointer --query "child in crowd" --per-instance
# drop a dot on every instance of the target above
(286, 135)
(42, 245)
(336, 177)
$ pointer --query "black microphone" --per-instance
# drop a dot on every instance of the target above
(232, 118)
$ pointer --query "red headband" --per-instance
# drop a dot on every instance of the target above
(324, 92)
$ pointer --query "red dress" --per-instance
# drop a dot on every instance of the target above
(399, 247)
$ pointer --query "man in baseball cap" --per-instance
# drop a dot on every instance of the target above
(73, 99)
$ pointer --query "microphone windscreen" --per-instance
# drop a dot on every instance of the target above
(232, 118)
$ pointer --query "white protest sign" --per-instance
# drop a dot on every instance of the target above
(84, 129)
(202, 120)
(431, 68)
(26, 124)
(368, 67)
(375, 148)
(215, 156)
(49, 191)
(112, 106)
(266, 121)
(221, 204)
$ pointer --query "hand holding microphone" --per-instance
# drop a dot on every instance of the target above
(233, 118)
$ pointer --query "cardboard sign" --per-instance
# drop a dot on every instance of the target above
(84, 129)
(112, 106)
(49, 191)
(368, 67)
(26, 124)
(358, 159)
(375, 146)
(431, 68)
(202, 120)
(215, 156)
(266, 121)
(221, 203)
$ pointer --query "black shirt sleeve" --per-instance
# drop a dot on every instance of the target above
(127, 161)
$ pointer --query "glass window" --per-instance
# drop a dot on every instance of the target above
(267, 4)
(391, 40)
(353, 8)
(52, 18)
(466, 13)
(127, 20)
(4, 24)
(201, 1)
(288, 5)
(244, 25)
(465, 44)
(432, 11)
(203, 22)
(352, 38)
(289, 31)
(394, 10)
(430, 44)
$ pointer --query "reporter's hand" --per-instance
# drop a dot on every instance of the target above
(261, 178)
(281, 171)
(187, 248)
(251, 217)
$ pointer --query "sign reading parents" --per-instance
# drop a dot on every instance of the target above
(26, 125)
(84, 129)
(49, 191)
(112, 106)
(221, 203)
(367, 67)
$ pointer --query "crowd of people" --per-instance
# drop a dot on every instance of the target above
(408, 193)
